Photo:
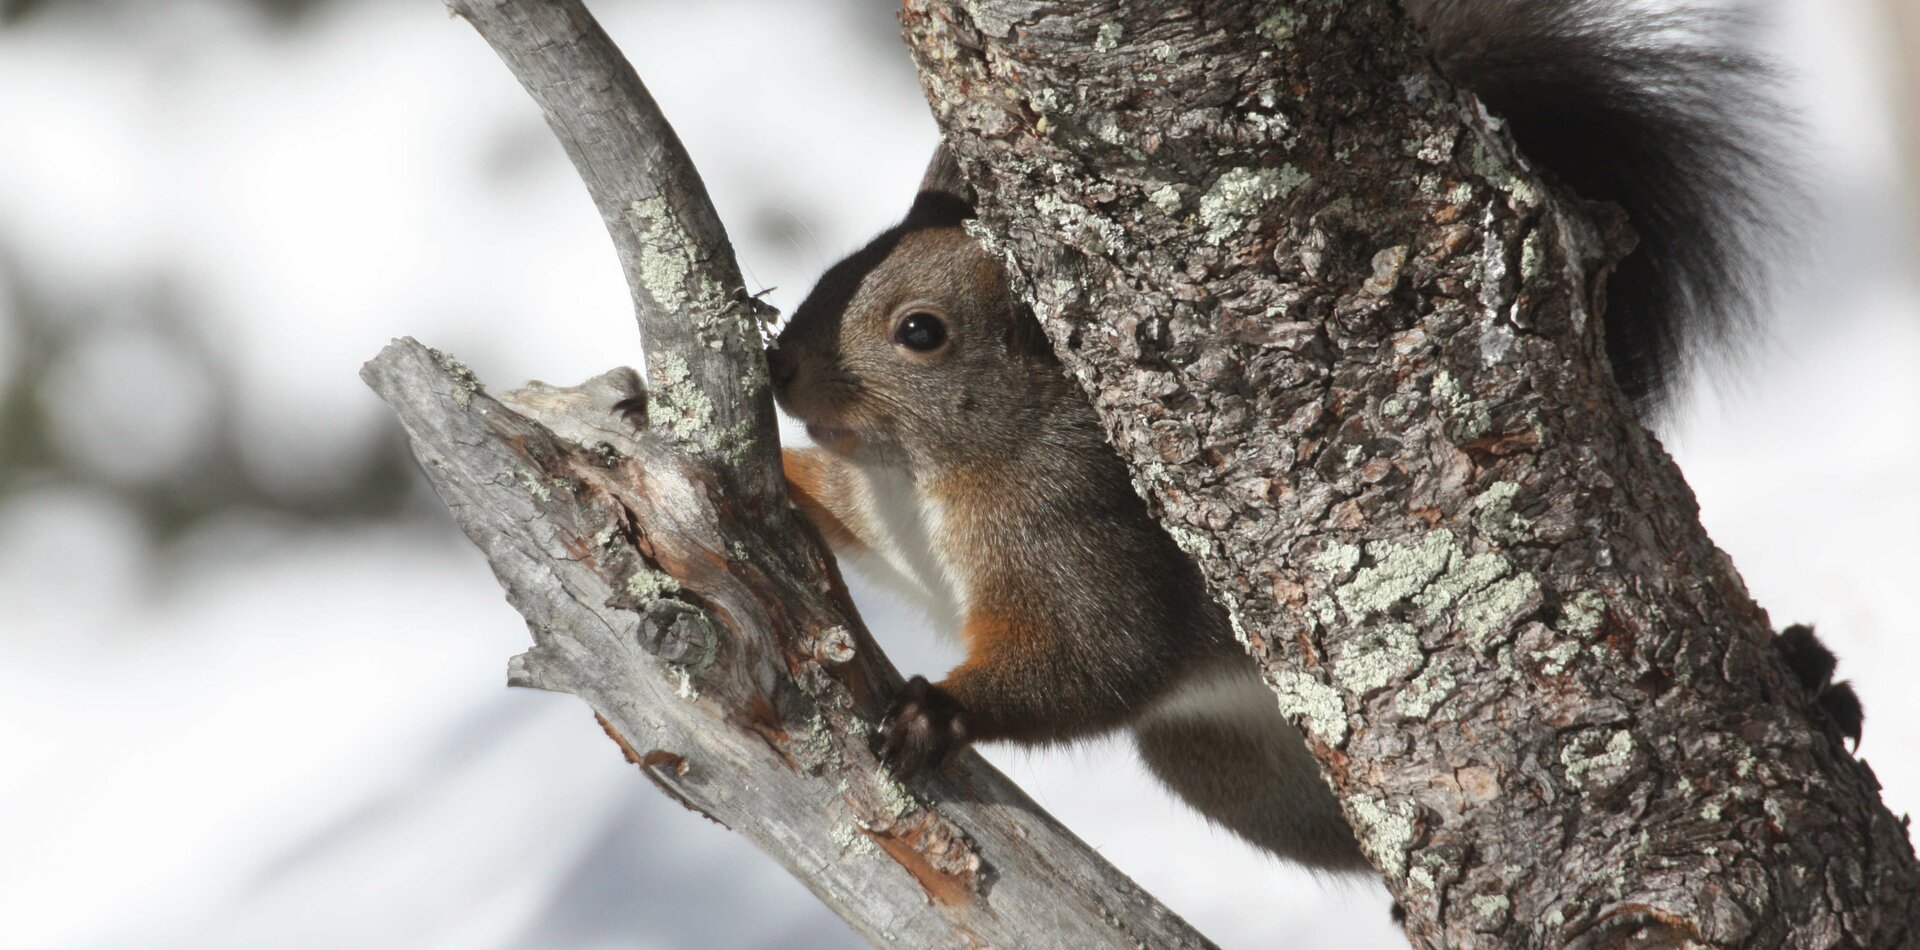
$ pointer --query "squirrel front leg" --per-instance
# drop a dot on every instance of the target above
(818, 484)
(1028, 678)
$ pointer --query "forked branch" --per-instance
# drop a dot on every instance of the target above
(667, 581)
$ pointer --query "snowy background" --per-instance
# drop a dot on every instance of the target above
(251, 692)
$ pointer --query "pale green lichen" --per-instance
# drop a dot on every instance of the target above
(814, 749)
(735, 445)
(1241, 192)
(466, 383)
(1374, 657)
(1398, 572)
(1191, 542)
(1710, 812)
(676, 403)
(666, 252)
(1587, 759)
(1582, 614)
(646, 586)
(1384, 832)
(1165, 52)
(1494, 514)
(1488, 612)
(1108, 36)
(1427, 690)
(1312, 702)
(895, 797)
(852, 841)
(1167, 199)
(1557, 659)
(1470, 417)
(1462, 576)
(1491, 907)
(1335, 559)
(1323, 609)
(1045, 101)
(1100, 235)
(534, 487)
(1501, 177)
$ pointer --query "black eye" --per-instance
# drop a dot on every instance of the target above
(921, 332)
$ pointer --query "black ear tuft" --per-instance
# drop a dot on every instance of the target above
(945, 197)
(943, 177)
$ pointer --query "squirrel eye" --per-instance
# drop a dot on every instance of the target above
(921, 332)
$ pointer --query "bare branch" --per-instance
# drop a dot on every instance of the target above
(700, 330)
(722, 655)
(705, 624)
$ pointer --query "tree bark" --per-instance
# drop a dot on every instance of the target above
(668, 582)
(1350, 346)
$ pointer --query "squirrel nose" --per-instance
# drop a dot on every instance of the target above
(781, 367)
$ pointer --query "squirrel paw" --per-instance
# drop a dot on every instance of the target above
(924, 726)
(633, 409)
(1812, 664)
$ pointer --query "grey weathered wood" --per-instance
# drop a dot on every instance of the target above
(668, 582)
(719, 650)
(701, 332)
(1350, 347)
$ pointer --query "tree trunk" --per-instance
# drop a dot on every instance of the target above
(1350, 346)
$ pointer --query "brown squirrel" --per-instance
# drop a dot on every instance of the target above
(956, 453)
(946, 423)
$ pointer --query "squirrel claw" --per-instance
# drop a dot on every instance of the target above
(1812, 664)
(922, 727)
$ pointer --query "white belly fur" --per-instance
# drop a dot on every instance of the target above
(902, 556)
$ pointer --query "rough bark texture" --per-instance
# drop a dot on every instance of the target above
(1350, 346)
(720, 652)
(668, 582)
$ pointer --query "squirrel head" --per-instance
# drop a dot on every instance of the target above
(913, 350)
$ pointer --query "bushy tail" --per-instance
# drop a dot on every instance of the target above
(1656, 112)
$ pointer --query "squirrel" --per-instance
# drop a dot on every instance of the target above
(955, 455)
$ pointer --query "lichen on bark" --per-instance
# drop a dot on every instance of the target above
(1350, 347)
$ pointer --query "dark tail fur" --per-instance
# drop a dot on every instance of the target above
(1657, 113)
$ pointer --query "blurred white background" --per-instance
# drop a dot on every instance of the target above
(252, 687)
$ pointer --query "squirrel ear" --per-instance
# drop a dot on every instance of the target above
(944, 193)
